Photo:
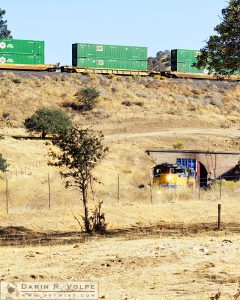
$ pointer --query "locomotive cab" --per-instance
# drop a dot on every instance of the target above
(173, 176)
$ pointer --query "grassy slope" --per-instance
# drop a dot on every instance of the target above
(201, 114)
(204, 115)
(170, 103)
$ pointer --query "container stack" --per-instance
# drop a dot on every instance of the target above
(182, 60)
(100, 56)
(21, 52)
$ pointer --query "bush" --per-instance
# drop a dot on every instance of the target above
(3, 164)
(6, 118)
(126, 103)
(178, 145)
(88, 97)
(48, 121)
(16, 80)
(217, 102)
(111, 76)
(138, 103)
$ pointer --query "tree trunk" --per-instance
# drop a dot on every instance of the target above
(86, 219)
(44, 134)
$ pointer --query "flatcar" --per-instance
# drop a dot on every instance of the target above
(29, 55)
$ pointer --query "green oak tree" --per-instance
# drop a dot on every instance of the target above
(221, 55)
(48, 121)
(88, 98)
(4, 32)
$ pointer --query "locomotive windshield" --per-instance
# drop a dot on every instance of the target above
(161, 170)
(178, 171)
(169, 169)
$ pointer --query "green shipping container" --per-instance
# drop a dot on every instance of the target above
(28, 59)
(182, 60)
(182, 55)
(186, 67)
(116, 64)
(21, 46)
(109, 51)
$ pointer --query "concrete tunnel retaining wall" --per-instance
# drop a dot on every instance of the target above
(216, 163)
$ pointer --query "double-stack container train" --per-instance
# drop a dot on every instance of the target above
(108, 59)
(23, 55)
(109, 56)
(29, 55)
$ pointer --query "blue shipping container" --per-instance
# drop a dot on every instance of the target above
(187, 162)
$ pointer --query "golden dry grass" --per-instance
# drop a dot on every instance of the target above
(153, 249)
(28, 186)
(166, 102)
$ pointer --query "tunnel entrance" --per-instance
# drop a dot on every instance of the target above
(203, 175)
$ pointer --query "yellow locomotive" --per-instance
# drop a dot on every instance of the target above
(174, 176)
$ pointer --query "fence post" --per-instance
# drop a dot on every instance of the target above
(219, 217)
(118, 188)
(7, 195)
(49, 193)
(220, 187)
(151, 190)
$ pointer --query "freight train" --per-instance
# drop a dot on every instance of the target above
(29, 55)
(173, 176)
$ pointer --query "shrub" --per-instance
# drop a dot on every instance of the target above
(6, 118)
(141, 93)
(138, 103)
(192, 108)
(88, 97)
(93, 76)
(178, 145)
(48, 121)
(3, 164)
(111, 76)
(16, 80)
(126, 103)
(58, 78)
(196, 92)
(217, 102)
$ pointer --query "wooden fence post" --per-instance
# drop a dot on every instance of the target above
(220, 187)
(151, 190)
(118, 180)
(7, 195)
(49, 193)
(219, 217)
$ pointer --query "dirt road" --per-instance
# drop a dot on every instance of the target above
(176, 131)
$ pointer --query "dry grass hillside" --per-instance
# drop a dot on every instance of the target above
(160, 244)
(148, 101)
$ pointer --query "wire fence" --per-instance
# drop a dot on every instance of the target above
(30, 187)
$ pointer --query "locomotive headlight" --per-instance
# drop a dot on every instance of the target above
(169, 177)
